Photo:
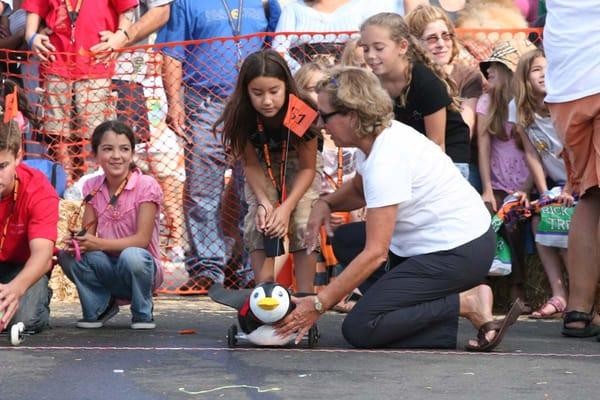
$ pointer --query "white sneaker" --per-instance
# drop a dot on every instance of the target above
(142, 325)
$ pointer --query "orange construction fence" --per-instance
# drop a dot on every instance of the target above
(64, 109)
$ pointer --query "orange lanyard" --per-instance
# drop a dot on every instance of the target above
(73, 15)
(267, 156)
(10, 214)
(86, 200)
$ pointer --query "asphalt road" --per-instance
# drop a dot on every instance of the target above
(533, 362)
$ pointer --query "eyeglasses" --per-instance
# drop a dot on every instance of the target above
(433, 39)
(325, 116)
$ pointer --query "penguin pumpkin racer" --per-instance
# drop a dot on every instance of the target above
(258, 310)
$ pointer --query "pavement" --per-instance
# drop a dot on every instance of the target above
(114, 362)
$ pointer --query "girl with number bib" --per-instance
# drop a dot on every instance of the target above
(283, 173)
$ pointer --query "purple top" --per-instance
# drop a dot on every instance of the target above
(508, 167)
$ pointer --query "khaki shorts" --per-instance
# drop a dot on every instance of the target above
(253, 239)
(578, 124)
(76, 107)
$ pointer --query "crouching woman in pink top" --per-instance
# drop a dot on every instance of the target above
(114, 259)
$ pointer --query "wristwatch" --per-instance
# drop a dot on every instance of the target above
(318, 305)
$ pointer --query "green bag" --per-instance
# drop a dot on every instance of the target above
(553, 229)
(502, 263)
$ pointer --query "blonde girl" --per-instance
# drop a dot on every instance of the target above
(543, 150)
(501, 159)
(424, 97)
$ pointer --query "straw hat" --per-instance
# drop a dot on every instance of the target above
(504, 53)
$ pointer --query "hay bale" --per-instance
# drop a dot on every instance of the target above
(63, 289)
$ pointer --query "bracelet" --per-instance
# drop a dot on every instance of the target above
(124, 33)
(263, 206)
(31, 39)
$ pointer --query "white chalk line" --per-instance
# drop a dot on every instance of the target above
(328, 350)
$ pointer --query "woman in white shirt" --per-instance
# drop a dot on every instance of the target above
(427, 243)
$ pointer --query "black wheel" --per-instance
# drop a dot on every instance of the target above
(231, 336)
(313, 336)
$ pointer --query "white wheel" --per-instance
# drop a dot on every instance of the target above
(16, 333)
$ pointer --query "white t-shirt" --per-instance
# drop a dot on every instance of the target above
(438, 209)
(572, 47)
(544, 138)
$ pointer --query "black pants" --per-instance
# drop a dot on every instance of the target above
(412, 302)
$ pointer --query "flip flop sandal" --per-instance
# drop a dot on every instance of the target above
(347, 304)
(555, 302)
(500, 326)
(577, 316)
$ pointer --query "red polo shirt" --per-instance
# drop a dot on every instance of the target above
(73, 60)
(35, 215)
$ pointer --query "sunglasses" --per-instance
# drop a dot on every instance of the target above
(445, 36)
(325, 116)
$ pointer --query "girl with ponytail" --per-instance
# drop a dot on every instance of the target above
(424, 96)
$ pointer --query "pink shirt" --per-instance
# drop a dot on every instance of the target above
(122, 221)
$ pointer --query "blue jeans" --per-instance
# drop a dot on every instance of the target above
(34, 307)
(100, 276)
(475, 178)
(205, 165)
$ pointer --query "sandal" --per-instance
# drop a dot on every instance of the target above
(500, 326)
(556, 302)
(347, 303)
(577, 316)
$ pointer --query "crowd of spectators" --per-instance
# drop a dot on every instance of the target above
(525, 140)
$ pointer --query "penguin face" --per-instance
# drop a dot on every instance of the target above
(269, 302)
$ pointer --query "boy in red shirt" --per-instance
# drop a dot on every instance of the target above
(76, 73)
(28, 220)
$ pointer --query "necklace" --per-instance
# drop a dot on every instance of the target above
(86, 200)
(73, 15)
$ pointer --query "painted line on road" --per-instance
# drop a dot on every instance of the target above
(240, 349)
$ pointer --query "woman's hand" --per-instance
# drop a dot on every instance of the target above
(320, 215)
(488, 197)
(263, 213)
(521, 198)
(300, 320)
(566, 198)
(278, 222)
